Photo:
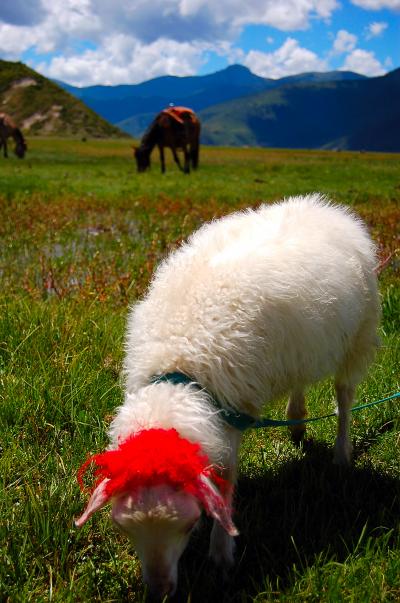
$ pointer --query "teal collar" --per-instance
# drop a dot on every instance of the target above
(238, 420)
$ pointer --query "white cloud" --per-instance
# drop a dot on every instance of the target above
(344, 42)
(14, 40)
(286, 15)
(125, 60)
(289, 59)
(375, 29)
(205, 20)
(377, 4)
(363, 62)
(179, 20)
(65, 22)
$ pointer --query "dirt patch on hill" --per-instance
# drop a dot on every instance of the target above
(24, 83)
(49, 119)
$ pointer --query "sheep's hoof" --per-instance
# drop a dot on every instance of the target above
(340, 461)
(342, 454)
(297, 435)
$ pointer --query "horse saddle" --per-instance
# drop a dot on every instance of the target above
(180, 114)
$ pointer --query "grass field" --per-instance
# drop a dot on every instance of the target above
(81, 233)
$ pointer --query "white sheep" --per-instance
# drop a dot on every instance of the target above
(255, 305)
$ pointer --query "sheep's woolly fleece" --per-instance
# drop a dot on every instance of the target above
(137, 463)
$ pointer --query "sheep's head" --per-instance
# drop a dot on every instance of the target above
(158, 484)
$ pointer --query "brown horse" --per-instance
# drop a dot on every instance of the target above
(176, 128)
(9, 129)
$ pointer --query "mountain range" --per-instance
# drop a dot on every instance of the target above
(132, 107)
(334, 110)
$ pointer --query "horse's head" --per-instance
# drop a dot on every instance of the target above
(20, 148)
(142, 157)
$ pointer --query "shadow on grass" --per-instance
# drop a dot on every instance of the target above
(309, 509)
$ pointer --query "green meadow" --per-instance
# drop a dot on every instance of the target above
(81, 233)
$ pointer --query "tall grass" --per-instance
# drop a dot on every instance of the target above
(81, 233)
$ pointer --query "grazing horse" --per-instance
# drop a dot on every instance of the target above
(7, 129)
(177, 128)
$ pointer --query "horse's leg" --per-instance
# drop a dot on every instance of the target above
(186, 169)
(5, 152)
(194, 154)
(186, 146)
(162, 158)
(176, 158)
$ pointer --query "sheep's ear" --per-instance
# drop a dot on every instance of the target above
(217, 506)
(97, 500)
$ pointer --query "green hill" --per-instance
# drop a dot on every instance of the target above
(359, 114)
(41, 107)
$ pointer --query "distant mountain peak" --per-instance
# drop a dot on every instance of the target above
(236, 67)
(237, 74)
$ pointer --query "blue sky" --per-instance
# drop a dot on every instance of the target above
(85, 42)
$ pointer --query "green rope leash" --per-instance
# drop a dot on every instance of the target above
(243, 421)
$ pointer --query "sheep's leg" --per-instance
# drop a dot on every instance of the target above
(296, 409)
(222, 545)
(343, 446)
